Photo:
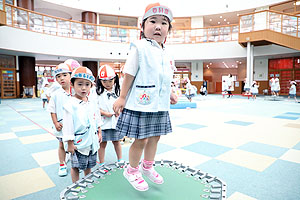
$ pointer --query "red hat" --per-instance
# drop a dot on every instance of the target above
(72, 63)
(83, 72)
(106, 72)
(157, 9)
(62, 68)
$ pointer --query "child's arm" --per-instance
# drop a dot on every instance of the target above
(173, 98)
(120, 102)
(99, 134)
(68, 131)
(106, 114)
(57, 124)
(71, 146)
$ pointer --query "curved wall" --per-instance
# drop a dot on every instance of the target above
(26, 41)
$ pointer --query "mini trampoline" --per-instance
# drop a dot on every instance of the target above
(181, 183)
(183, 103)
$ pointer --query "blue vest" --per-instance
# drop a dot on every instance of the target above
(151, 88)
(85, 126)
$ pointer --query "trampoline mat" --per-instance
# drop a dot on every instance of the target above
(180, 182)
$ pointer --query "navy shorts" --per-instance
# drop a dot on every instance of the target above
(83, 162)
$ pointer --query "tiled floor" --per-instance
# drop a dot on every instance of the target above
(252, 145)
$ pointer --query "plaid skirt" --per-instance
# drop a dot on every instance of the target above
(140, 125)
(110, 135)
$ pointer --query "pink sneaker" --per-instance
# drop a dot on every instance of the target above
(136, 180)
(151, 174)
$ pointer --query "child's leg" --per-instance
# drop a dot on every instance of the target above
(131, 172)
(101, 152)
(87, 171)
(62, 170)
(74, 174)
(61, 153)
(135, 152)
(118, 149)
(150, 148)
(147, 164)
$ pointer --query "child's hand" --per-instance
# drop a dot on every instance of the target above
(118, 106)
(71, 147)
(173, 98)
(58, 126)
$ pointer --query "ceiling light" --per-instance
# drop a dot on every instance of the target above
(240, 62)
(224, 20)
(221, 17)
(207, 66)
(237, 14)
(232, 65)
(237, 61)
(210, 63)
(228, 22)
(210, 19)
(219, 22)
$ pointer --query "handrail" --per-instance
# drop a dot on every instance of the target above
(271, 20)
(37, 22)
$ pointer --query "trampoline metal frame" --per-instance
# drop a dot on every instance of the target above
(217, 190)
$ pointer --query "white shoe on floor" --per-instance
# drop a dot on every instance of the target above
(62, 170)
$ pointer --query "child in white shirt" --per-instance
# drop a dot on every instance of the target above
(292, 91)
(61, 95)
(108, 90)
(146, 95)
(81, 124)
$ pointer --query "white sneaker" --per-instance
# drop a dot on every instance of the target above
(136, 180)
(151, 174)
(62, 170)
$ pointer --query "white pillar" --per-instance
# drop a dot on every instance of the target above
(251, 63)
(248, 62)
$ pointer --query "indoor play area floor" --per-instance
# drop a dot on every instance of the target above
(253, 145)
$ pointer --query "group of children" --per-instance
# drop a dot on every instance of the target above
(83, 122)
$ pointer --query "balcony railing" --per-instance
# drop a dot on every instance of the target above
(272, 20)
(29, 20)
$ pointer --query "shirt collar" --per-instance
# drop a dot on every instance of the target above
(154, 43)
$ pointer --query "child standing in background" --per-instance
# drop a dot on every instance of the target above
(43, 94)
(62, 94)
(254, 89)
(145, 97)
(292, 91)
(108, 90)
(81, 124)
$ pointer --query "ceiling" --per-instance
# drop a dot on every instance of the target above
(224, 63)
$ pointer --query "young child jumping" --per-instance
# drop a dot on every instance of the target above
(81, 124)
(108, 90)
(62, 74)
(145, 97)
